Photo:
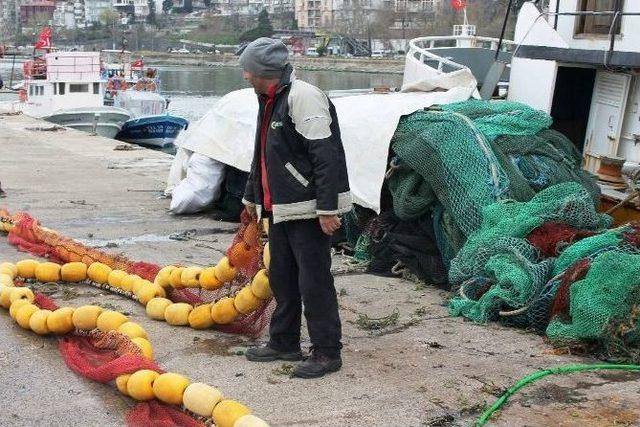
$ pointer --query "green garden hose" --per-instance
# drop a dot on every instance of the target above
(565, 369)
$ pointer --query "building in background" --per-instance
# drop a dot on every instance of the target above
(36, 14)
(412, 14)
(133, 10)
(94, 9)
(64, 15)
(9, 18)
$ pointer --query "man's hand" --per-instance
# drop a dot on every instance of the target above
(329, 223)
(253, 213)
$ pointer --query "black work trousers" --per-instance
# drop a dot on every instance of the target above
(300, 274)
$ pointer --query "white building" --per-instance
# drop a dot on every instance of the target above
(93, 9)
(64, 16)
(137, 9)
(356, 15)
(9, 18)
(239, 7)
(582, 69)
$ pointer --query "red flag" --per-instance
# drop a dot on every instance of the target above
(458, 4)
(138, 64)
(44, 39)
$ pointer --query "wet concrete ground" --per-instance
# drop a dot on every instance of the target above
(427, 369)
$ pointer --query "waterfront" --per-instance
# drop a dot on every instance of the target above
(193, 90)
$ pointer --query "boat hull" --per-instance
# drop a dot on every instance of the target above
(104, 121)
(153, 131)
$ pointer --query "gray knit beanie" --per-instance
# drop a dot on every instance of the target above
(265, 57)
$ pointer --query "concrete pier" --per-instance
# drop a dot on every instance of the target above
(426, 370)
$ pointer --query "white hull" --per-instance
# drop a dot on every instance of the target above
(104, 121)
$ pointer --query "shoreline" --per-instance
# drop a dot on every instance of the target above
(357, 65)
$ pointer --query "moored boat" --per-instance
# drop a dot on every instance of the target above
(153, 131)
(151, 125)
(66, 88)
(103, 121)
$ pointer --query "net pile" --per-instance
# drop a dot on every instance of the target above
(27, 234)
(598, 299)
(501, 270)
(452, 162)
(515, 223)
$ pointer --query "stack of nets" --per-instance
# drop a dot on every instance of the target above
(28, 235)
(452, 162)
(501, 271)
(598, 291)
(552, 265)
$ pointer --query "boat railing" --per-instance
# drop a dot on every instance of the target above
(435, 42)
(422, 60)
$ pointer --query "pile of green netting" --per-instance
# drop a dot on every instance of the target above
(495, 178)
(454, 160)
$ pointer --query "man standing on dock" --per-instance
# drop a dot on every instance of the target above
(299, 181)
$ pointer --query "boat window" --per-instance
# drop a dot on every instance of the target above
(96, 88)
(55, 89)
(74, 88)
(30, 90)
(598, 24)
(61, 88)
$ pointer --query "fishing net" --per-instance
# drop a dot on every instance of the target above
(443, 157)
(103, 356)
(535, 162)
(610, 292)
(453, 162)
(500, 254)
(245, 252)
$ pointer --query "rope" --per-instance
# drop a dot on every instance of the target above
(560, 370)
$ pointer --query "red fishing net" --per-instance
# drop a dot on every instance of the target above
(245, 253)
(577, 271)
(552, 237)
(103, 356)
(155, 414)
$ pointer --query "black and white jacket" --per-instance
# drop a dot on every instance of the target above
(305, 160)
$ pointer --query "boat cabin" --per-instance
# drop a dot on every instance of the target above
(63, 80)
(578, 60)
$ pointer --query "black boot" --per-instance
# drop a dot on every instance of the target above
(318, 365)
(268, 354)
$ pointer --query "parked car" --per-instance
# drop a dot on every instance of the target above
(377, 53)
(183, 50)
(312, 51)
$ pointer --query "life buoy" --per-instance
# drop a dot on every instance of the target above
(22, 94)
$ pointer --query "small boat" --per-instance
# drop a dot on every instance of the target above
(151, 125)
(103, 121)
(153, 131)
(66, 88)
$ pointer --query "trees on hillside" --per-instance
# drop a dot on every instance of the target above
(264, 28)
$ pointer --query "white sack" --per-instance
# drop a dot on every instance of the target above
(201, 186)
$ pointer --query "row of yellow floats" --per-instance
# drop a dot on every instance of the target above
(171, 388)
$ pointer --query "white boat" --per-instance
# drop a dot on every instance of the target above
(104, 121)
(151, 125)
(579, 62)
(66, 88)
(432, 56)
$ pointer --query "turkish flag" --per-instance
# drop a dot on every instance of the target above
(44, 39)
(458, 4)
(138, 65)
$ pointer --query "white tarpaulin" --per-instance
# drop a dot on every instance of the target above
(367, 123)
